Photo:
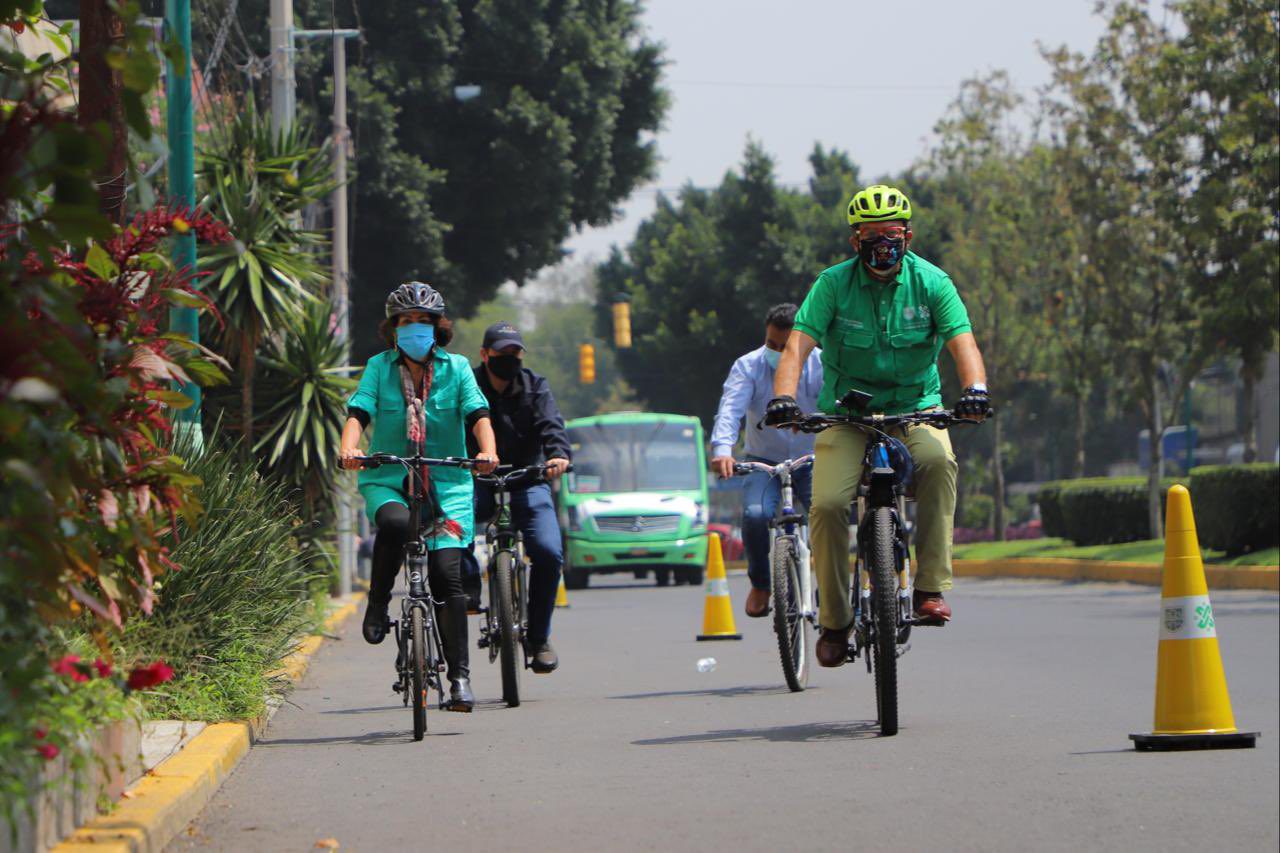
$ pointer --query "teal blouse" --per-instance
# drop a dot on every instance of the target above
(454, 396)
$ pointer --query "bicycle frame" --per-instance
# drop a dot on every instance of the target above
(787, 523)
(419, 595)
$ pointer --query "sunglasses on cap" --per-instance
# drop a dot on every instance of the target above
(892, 232)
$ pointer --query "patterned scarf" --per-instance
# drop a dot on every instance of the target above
(416, 429)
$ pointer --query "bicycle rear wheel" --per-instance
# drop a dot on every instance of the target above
(788, 621)
(509, 651)
(884, 611)
(418, 670)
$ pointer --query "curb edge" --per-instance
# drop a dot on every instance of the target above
(176, 791)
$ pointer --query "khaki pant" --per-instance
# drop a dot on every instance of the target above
(837, 470)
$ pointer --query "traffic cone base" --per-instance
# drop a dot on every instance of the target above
(717, 615)
(1207, 740)
(1192, 708)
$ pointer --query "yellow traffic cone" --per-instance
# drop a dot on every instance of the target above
(562, 595)
(717, 616)
(1193, 710)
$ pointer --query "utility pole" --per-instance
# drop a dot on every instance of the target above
(282, 115)
(283, 98)
(100, 86)
(182, 188)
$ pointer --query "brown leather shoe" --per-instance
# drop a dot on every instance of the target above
(833, 646)
(758, 603)
(930, 607)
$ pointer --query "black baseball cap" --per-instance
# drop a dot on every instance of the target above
(502, 335)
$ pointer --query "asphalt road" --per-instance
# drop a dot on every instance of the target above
(1015, 724)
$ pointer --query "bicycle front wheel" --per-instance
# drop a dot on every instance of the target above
(509, 651)
(418, 670)
(794, 640)
(884, 612)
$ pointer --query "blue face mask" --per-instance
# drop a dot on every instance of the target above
(416, 339)
(773, 357)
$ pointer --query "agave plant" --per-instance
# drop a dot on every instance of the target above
(257, 182)
(305, 370)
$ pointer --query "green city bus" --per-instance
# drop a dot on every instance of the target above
(636, 500)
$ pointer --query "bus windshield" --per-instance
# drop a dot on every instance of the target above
(652, 456)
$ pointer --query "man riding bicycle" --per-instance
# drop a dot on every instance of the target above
(529, 429)
(882, 318)
(747, 391)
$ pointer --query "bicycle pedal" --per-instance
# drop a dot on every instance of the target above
(396, 687)
(482, 643)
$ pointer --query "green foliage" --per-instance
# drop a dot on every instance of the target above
(242, 596)
(702, 272)
(258, 183)
(471, 194)
(1144, 551)
(305, 378)
(976, 512)
(561, 308)
(1097, 510)
(1236, 506)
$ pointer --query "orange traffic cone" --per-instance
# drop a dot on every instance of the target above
(717, 616)
(562, 595)
(1193, 710)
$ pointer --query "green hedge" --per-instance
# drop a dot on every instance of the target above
(1097, 510)
(1237, 507)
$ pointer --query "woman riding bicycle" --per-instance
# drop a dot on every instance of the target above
(416, 375)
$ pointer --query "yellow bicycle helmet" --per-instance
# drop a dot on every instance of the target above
(879, 203)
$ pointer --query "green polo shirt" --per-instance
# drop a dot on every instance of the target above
(454, 395)
(883, 337)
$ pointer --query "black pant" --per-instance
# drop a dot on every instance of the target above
(444, 574)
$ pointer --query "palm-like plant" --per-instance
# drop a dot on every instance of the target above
(305, 370)
(257, 182)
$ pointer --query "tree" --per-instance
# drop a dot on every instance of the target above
(1226, 67)
(983, 165)
(701, 273)
(258, 183)
(1140, 164)
(470, 194)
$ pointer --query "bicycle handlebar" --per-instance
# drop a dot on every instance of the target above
(751, 466)
(377, 460)
(942, 418)
(504, 474)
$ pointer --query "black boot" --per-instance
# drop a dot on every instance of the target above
(452, 616)
(375, 620)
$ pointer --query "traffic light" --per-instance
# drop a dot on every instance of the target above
(622, 325)
(587, 364)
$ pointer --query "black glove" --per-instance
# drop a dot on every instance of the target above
(782, 410)
(975, 403)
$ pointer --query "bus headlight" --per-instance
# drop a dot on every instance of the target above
(573, 520)
(700, 515)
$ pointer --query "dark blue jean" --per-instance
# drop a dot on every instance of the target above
(760, 496)
(533, 511)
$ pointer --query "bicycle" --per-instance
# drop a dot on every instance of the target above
(795, 610)
(881, 584)
(505, 623)
(419, 651)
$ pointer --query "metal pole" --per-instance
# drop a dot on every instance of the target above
(182, 187)
(283, 102)
(341, 272)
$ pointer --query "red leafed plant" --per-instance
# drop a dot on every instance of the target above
(87, 376)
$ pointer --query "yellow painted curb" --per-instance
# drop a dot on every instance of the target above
(171, 795)
(1058, 568)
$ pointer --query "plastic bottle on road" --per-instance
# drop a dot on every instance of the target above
(706, 664)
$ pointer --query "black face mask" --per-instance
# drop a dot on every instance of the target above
(505, 367)
(882, 254)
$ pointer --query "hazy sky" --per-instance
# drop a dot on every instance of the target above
(871, 78)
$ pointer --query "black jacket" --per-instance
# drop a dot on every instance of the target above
(526, 420)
